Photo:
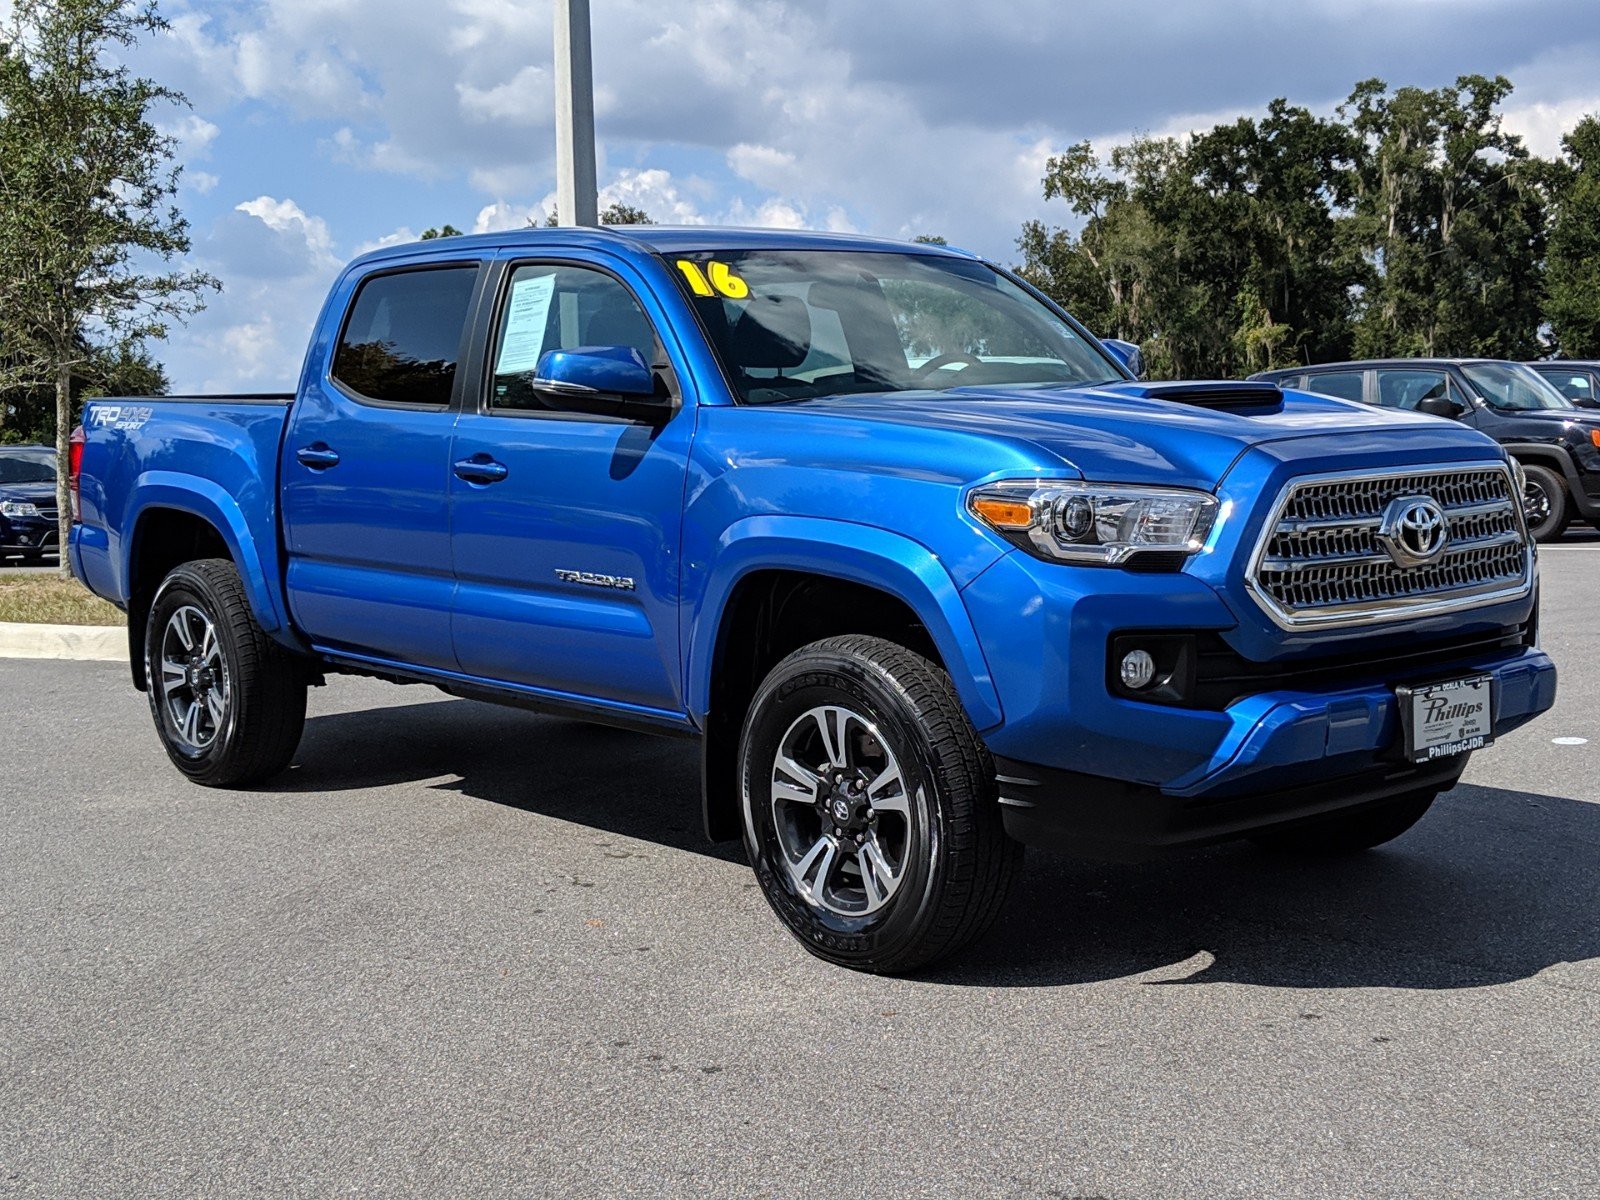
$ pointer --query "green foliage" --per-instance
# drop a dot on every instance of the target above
(1410, 223)
(443, 231)
(87, 220)
(28, 414)
(1573, 282)
(612, 214)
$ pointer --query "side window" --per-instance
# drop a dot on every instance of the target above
(1573, 384)
(1408, 388)
(556, 307)
(403, 335)
(1344, 385)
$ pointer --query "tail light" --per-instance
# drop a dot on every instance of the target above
(74, 469)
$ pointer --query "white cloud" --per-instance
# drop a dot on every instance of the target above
(1542, 125)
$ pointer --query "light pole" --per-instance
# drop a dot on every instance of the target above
(575, 181)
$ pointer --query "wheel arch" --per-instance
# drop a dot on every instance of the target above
(174, 522)
(780, 582)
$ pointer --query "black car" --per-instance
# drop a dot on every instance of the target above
(1557, 443)
(1577, 380)
(27, 502)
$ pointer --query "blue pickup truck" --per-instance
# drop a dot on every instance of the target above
(925, 569)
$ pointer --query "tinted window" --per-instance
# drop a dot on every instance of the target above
(552, 307)
(1574, 385)
(404, 333)
(1408, 388)
(27, 466)
(1346, 385)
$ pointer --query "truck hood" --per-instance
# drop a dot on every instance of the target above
(1156, 433)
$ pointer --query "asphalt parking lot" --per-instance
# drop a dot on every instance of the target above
(460, 951)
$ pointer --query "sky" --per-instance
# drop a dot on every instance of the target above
(322, 128)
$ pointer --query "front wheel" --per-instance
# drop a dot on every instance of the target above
(1545, 503)
(1350, 833)
(870, 809)
(229, 703)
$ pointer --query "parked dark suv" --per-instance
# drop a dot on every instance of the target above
(1578, 381)
(1557, 443)
(27, 502)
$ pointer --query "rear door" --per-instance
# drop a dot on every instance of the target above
(365, 470)
(566, 526)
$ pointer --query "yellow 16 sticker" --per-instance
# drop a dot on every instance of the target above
(718, 279)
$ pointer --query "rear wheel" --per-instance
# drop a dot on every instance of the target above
(870, 811)
(229, 703)
(1545, 503)
(1350, 833)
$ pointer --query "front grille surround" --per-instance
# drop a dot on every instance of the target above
(1319, 564)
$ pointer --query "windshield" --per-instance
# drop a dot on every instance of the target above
(801, 324)
(24, 466)
(1514, 387)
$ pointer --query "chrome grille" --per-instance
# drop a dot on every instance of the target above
(1321, 561)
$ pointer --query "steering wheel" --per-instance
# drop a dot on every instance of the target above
(926, 371)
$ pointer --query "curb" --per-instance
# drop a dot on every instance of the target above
(80, 643)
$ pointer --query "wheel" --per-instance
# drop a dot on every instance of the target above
(871, 816)
(1545, 503)
(1350, 833)
(229, 703)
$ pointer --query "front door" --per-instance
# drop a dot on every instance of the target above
(566, 526)
(366, 473)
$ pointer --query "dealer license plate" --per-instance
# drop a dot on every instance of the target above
(1444, 719)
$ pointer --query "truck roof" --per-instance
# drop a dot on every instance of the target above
(666, 239)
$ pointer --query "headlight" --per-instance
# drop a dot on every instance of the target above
(18, 508)
(1105, 524)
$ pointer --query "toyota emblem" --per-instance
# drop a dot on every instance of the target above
(1414, 530)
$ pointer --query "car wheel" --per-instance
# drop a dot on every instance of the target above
(870, 811)
(1350, 833)
(229, 703)
(1545, 503)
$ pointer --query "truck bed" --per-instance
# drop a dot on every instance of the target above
(154, 458)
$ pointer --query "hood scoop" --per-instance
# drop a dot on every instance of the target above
(1223, 395)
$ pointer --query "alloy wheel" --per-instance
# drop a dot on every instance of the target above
(841, 812)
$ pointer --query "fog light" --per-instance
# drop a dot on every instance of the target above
(1138, 669)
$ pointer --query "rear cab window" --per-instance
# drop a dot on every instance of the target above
(402, 338)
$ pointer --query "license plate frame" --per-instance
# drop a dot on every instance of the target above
(1433, 721)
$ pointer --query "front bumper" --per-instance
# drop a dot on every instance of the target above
(1287, 756)
(28, 535)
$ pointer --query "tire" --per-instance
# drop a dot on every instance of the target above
(229, 706)
(880, 844)
(1350, 833)
(1545, 503)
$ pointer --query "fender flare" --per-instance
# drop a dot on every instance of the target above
(207, 500)
(1545, 454)
(863, 554)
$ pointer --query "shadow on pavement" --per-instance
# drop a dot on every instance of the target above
(627, 783)
(1492, 886)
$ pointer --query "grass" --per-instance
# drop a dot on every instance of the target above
(40, 599)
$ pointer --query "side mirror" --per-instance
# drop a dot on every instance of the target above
(1442, 406)
(1126, 353)
(608, 381)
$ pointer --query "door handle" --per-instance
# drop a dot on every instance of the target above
(480, 468)
(317, 456)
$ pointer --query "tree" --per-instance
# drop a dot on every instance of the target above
(1450, 213)
(29, 414)
(444, 231)
(612, 214)
(1573, 265)
(87, 220)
